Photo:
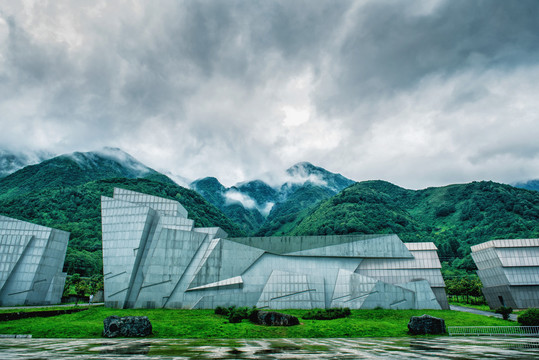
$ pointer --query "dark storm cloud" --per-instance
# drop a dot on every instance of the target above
(33, 63)
(205, 87)
(390, 47)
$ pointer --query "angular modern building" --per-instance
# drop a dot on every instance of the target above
(509, 271)
(31, 262)
(154, 256)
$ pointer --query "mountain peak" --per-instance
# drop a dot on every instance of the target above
(210, 188)
(305, 172)
(303, 166)
(113, 157)
(75, 169)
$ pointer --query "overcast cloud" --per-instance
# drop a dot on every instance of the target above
(419, 93)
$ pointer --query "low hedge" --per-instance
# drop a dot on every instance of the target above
(529, 317)
(327, 314)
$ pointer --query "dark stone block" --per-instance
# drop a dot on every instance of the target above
(272, 318)
(128, 326)
(426, 324)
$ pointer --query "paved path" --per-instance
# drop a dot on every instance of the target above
(480, 312)
(49, 306)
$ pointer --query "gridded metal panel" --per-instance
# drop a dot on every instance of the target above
(227, 259)
(285, 290)
(161, 205)
(522, 275)
(518, 256)
(153, 257)
(421, 246)
(126, 227)
(508, 243)
(420, 260)
(509, 270)
(331, 245)
(401, 276)
(424, 296)
(31, 261)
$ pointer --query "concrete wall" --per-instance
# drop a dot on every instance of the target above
(154, 257)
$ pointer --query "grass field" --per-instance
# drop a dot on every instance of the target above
(205, 324)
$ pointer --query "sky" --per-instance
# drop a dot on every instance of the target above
(418, 93)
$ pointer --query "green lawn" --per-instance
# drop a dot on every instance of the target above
(205, 324)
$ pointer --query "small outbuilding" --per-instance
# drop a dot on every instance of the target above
(509, 271)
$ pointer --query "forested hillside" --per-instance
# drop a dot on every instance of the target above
(64, 192)
(78, 210)
(287, 214)
(76, 169)
(213, 191)
(454, 217)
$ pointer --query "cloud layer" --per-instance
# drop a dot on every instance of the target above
(420, 93)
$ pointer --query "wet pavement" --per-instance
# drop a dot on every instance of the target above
(363, 348)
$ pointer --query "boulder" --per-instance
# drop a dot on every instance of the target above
(426, 324)
(127, 326)
(272, 318)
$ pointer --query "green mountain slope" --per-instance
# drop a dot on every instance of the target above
(315, 175)
(213, 191)
(284, 216)
(259, 191)
(77, 209)
(75, 169)
(454, 217)
(262, 209)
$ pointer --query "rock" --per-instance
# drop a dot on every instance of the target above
(426, 324)
(128, 326)
(273, 318)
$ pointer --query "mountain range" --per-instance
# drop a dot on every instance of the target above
(64, 192)
(256, 206)
(529, 185)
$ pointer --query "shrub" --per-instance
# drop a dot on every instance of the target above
(234, 318)
(236, 314)
(220, 310)
(326, 314)
(253, 316)
(529, 317)
(505, 311)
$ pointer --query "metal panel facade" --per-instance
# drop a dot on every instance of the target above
(31, 262)
(509, 271)
(154, 257)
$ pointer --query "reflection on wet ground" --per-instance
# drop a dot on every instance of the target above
(364, 348)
